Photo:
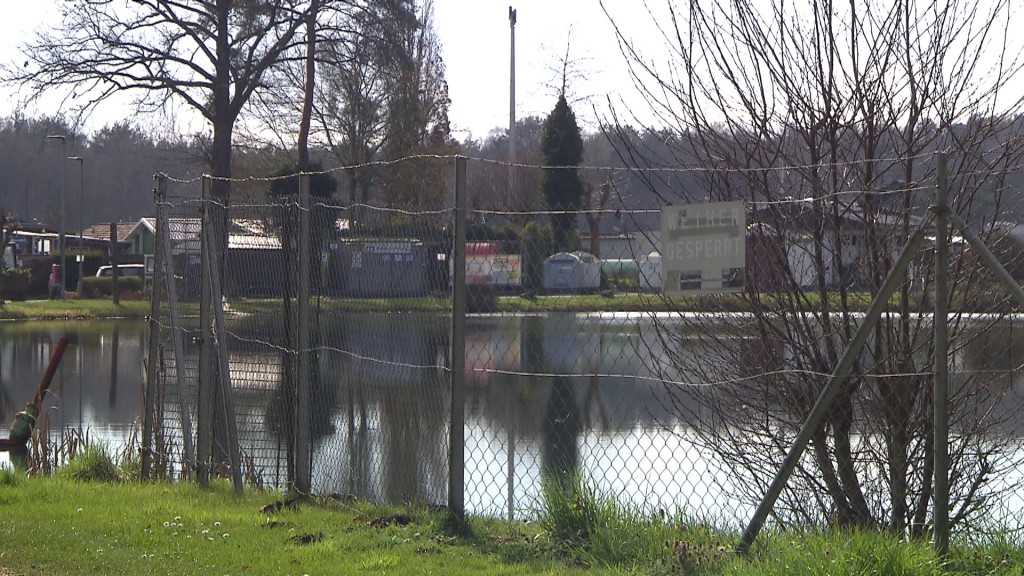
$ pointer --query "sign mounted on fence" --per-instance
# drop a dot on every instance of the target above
(485, 264)
(703, 248)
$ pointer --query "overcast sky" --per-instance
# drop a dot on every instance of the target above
(475, 38)
(475, 41)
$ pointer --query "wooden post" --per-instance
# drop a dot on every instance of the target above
(152, 364)
(213, 270)
(164, 248)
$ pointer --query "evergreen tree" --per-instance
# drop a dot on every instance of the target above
(562, 147)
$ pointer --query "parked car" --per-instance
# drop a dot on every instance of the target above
(124, 270)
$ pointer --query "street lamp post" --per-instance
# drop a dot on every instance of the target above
(512, 110)
(63, 154)
(81, 222)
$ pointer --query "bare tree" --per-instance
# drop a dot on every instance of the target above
(350, 105)
(209, 56)
(416, 120)
(488, 182)
(823, 117)
(381, 94)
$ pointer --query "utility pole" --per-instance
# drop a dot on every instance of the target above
(63, 155)
(512, 110)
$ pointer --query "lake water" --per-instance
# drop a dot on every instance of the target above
(544, 393)
(97, 388)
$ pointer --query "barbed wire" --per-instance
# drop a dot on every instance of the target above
(683, 169)
(755, 204)
(756, 199)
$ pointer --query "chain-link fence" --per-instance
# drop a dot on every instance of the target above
(374, 371)
(580, 345)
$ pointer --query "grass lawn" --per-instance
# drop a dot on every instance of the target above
(62, 526)
(618, 302)
(72, 309)
(58, 526)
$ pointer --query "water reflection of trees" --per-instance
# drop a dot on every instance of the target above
(746, 391)
(385, 390)
(391, 406)
(98, 381)
(510, 361)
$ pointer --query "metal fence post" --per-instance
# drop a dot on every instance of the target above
(213, 267)
(457, 433)
(941, 367)
(941, 396)
(149, 393)
(164, 248)
(204, 411)
(510, 463)
(303, 472)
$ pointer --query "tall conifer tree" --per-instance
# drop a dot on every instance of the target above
(562, 147)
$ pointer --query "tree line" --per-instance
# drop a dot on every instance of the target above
(355, 84)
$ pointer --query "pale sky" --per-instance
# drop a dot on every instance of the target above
(475, 42)
(475, 39)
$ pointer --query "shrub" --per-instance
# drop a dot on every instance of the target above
(131, 287)
(537, 245)
(93, 464)
(22, 273)
(14, 283)
(9, 476)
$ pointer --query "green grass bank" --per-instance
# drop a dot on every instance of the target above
(72, 309)
(59, 525)
(87, 309)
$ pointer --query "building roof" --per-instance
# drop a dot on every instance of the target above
(242, 234)
(124, 229)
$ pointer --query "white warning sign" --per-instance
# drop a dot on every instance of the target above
(703, 248)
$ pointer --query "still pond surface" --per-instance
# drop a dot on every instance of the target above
(543, 392)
